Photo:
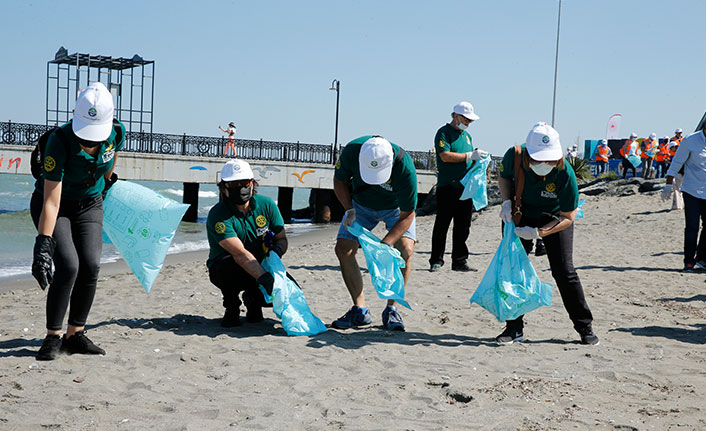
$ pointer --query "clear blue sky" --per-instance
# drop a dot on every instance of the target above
(267, 66)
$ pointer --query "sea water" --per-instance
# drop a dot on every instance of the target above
(17, 232)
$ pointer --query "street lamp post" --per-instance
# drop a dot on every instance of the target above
(336, 86)
(556, 62)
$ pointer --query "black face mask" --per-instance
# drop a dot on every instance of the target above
(240, 195)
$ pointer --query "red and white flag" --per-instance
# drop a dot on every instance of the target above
(613, 130)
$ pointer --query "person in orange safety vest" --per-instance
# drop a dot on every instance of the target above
(649, 150)
(662, 159)
(630, 148)
(603, 153)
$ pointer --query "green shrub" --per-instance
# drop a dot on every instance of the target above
(610, 176)
(581, 168)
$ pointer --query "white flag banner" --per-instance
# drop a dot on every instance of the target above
(613, 129)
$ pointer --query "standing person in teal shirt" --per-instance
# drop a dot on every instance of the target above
(67, 209)
(242, 228)
(548, 206)
(455, 155)
(375, 181)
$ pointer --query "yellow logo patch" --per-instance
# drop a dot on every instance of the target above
(338, 164)
(220, 227)
(442, 143)
(261, 221)
(500, 167)
(49, 164)
(468, 139)
(551, 187)
(110, 147)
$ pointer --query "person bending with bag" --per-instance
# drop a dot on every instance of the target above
(67, 209)
(242, 228)
(540, 195)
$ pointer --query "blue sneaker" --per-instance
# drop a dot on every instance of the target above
(356, 317)
(391, 319)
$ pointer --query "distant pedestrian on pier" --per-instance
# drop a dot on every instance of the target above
(231, 138)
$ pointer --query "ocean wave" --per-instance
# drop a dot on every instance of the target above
(178, 192)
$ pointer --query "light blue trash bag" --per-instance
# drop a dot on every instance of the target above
(288, 301)
(635, 161)
(141, 224)
(510, 286)
(384, 263)
(475, 184)
(579, 210)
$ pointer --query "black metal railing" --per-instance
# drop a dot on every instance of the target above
(205, 146)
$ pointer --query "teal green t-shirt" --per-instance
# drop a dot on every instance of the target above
(400, 191)
(449, 138)
(76, 169)
(555, 192)
(226, 221)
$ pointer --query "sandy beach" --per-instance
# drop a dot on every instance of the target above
(170, 366)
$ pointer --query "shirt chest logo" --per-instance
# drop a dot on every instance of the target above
(549, 191)
(108, 156)
(261, 221)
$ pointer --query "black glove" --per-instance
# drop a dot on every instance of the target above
(109, 183)
(278, 250)
(267, 281)
(41, 264)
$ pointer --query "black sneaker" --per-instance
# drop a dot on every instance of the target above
(51, 346)
(254, 314)
(435, 267)
(231, 318)
(700, 265)
(462, 267)
(588, 337)
(689, 267)
(509, 336)
(80, 343)
(539, 249)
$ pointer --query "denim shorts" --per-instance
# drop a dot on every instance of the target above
(369, 218)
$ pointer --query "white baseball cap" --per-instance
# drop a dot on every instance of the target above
(633, 135)
(235, 170)
(466, 109)
(678, 131)
(93, 113)
(603, 142)
(375, 160)
(653, 135)
(543, 143)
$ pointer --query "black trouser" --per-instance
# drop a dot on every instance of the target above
(695, 217)
(448, 207)
(601, 166)
(79, 241)
(232, 279)
(627, 165)
(561, 261)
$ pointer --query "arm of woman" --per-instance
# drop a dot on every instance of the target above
(565, 220)
(50, 208)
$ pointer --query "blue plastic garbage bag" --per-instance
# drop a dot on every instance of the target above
(475, 184)
(384, 263)
(510, 286)
(141, 224)
(579, 210)
(635, 161)
(288, 301)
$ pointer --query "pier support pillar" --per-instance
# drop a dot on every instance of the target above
(191, 197)
(326, 206)
(284, 202)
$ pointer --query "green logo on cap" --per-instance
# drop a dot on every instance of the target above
(374, 163)
(545, 139)
(92, 112)
(236, 167)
